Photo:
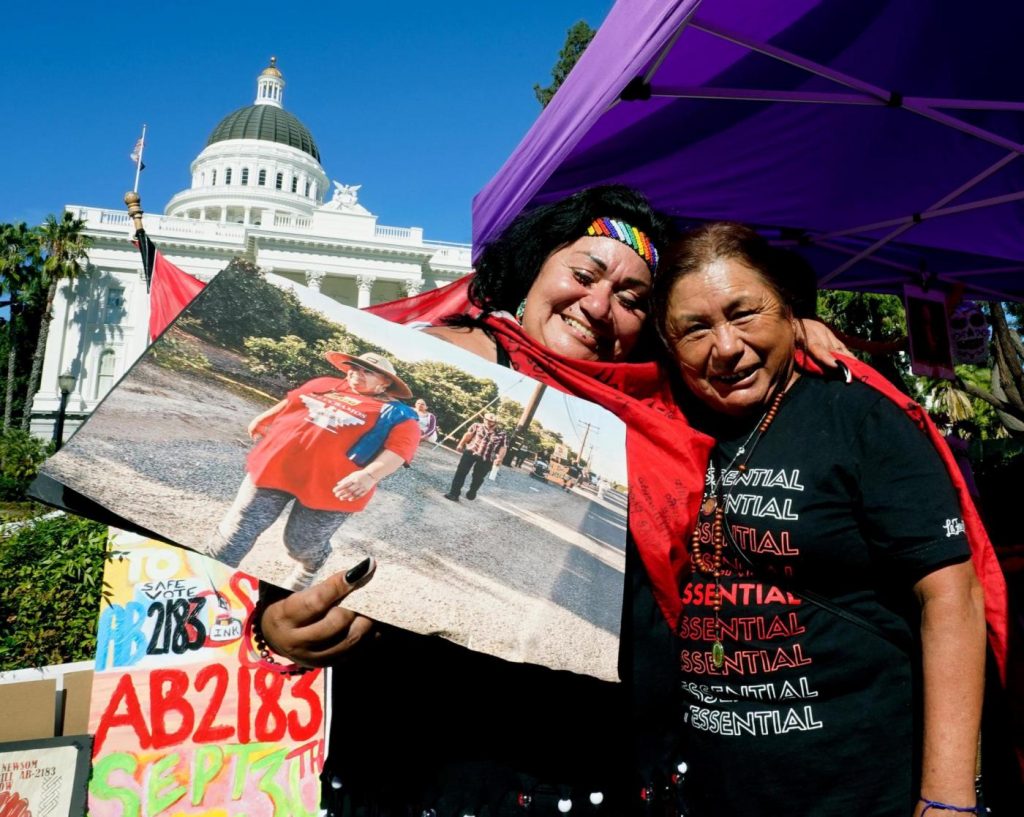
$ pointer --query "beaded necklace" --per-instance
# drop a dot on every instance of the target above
(713, 505)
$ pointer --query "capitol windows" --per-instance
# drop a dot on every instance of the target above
(279, 182)
(105, 372)
(245, 176)
(295, 184)
(227, 176)
(213, 177)
(262, 178)
(307, 189)
(114, 305)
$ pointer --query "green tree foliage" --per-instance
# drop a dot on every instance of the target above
(282, 364)
(1005, 391)
(64, 245)
(535, 439)
(51, 591)
(878, 319)
(577, 38)
(240, 303)
(177, 350)
(21, 454)
(983, 403)
(20, 276)
(452, 394)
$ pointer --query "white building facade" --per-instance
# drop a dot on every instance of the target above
(259, 191)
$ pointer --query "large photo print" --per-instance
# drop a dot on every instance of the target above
(290, 436)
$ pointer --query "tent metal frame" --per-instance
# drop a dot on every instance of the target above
(864, 93)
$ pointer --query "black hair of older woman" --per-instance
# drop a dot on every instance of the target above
(785, 272)
(510, 263)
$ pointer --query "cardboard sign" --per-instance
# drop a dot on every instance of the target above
(185, 722)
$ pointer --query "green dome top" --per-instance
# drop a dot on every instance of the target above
(266, 122)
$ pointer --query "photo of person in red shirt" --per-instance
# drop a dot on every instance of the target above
(322, 449)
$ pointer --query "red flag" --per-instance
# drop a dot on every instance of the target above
(172, 290)
(429, 306)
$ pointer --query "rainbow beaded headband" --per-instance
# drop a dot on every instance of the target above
(629, 235)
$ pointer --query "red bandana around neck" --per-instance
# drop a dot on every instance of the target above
(667, 458)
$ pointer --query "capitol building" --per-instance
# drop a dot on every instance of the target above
(258, 190)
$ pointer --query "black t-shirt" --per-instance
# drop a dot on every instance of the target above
(811, 714)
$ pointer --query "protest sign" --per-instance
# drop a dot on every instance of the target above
(185, 720)
(273, 428)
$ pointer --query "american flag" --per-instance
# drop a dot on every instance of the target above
(136, 153)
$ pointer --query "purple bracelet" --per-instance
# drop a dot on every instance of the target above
(929, 804)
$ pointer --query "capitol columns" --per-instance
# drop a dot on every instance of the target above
(413, 287)
(314, 279)
(364, 284)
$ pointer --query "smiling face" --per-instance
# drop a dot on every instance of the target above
(589, 300)
(364, 381)
(731, 336)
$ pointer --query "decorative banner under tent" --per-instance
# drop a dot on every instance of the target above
(931, 350)
(265, 392)
(185, 721)
(881, 138)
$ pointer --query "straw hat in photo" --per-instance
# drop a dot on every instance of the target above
(374, 363)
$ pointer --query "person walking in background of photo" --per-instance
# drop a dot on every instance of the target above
(323, 449)
(428, 422)
(482, 447)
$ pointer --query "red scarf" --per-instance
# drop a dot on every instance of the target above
(667, 459)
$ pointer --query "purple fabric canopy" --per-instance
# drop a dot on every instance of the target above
(880, 137)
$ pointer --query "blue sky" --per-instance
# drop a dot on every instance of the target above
(418, 102)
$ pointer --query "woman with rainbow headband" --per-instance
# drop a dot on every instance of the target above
(561, 295)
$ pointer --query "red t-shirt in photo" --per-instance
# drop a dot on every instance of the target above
(304, 450)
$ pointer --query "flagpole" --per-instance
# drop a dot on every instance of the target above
(138, 161)
(135, 212)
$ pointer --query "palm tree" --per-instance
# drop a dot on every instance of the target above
(64, 246)
(19, 256)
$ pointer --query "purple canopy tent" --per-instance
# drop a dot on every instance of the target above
(881, 137)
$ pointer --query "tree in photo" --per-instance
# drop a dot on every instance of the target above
(64, 247)
(240, 303)
(19, 271)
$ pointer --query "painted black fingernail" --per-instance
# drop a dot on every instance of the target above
(359, 571)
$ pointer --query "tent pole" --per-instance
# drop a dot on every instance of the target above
(967, 104)
(866, 228)
(924, 216)
(668, 47)
(885, 262)
(996, 294)
(755, 95)
(964, 127)
(852, 82)
(866, 253)
(792, 59)
(970, 273)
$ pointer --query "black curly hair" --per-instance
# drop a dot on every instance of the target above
(510, 263)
